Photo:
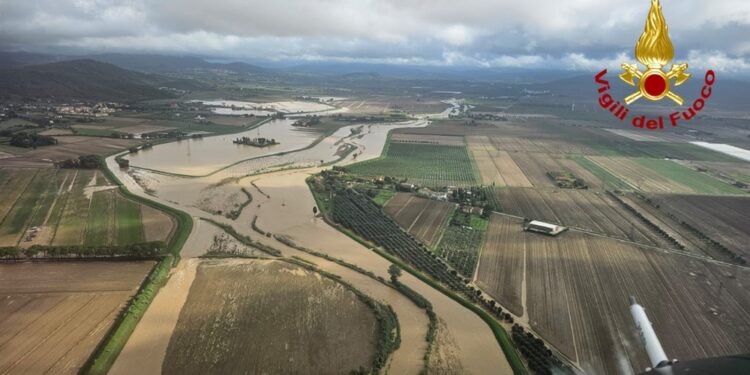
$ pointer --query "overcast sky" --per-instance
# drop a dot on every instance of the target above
(570, 34)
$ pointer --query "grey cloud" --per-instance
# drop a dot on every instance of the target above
(475, 32)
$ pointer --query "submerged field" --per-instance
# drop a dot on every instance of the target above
(270, 317)
(55, 314)
(72, 207)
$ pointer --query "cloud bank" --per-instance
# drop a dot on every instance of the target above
(571, 34)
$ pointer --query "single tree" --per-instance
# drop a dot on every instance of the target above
(395, 272)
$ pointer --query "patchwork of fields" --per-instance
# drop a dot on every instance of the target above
(55, 314)
(576, 290)
(662, 176)
(72, 207)
(308, 324)
(496, 167)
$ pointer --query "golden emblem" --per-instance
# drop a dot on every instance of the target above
(654, 50)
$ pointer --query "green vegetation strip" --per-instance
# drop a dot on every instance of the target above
(102, 359)
(383, 196)
(501, 335)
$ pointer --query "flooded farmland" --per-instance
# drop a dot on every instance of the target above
(201, 156)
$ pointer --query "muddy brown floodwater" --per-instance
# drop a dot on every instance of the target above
(284, 205)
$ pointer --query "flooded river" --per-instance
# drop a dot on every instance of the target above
(283, 205)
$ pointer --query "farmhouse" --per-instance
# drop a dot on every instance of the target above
(544, 228)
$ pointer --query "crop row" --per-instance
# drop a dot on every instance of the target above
(541, 359)
(430, 165)
(734, 257)
(646, 221)
(358, 213)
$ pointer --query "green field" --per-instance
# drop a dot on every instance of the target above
(429, 165)
(610, 180)
(100, 219)
(14, 222)
(128, 221)
(383, 196)
(701, 183)
(55, 201)
(460, 246)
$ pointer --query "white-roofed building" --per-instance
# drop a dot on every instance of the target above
(544, 228)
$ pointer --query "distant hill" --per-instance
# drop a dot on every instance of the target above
(80, 79)
(162, 64)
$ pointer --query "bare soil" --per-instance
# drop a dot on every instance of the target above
(55, 314)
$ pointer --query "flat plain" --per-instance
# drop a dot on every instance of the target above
(72, 207)
(576, 289)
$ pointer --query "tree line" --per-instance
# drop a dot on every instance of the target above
(141, 250)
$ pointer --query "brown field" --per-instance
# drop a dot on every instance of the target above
(500, 273)
(577, 289)
(67, 148)
(723, 219)
(496, 167)
(71, 207)
(443, 140)
(423, 218)
(54, 315)
(157, 226)
(269, 317)
(535, 167)
(588, 210)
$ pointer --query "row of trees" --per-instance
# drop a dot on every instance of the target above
(141, 250)
(82, 162)
(31, 140)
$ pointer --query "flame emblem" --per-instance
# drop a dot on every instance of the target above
(654, 50)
